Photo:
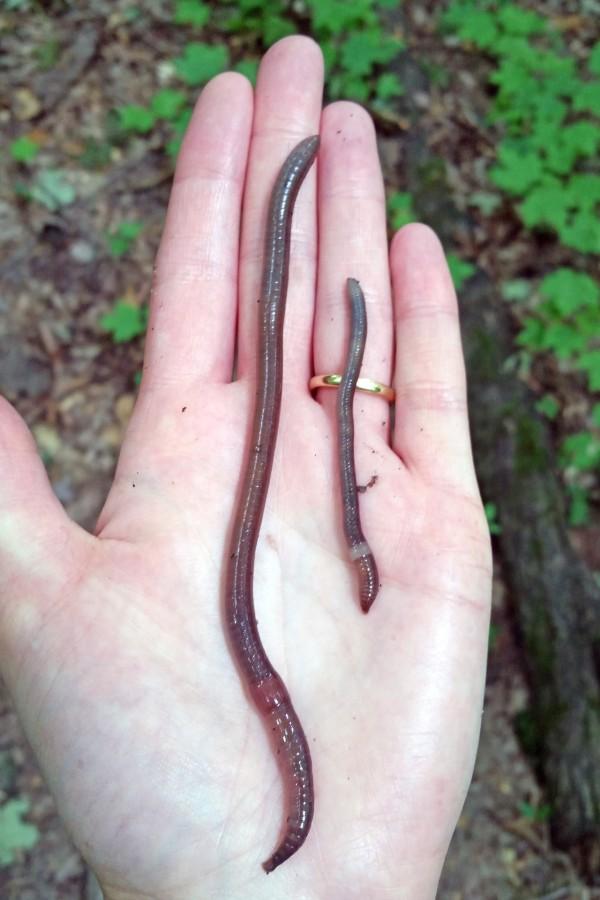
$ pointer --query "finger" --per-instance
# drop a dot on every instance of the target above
(431, 431)
(288, 108)
(352, 243)
(37, 539)
(191, 332)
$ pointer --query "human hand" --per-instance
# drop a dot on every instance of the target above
(113, 645)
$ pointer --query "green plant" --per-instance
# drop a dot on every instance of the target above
(547, 102)
(493, 635)
(535, 813)
(267, 20)
(356, 47)
(460, 269)
(167, 104)
(548, 406)
(15, 834)
(566, 320)
(24, 149)
(541, 95)
(121, 240)
(50, 188)
(125, 321)
(248, 67)
(201, 62)
(579, 507)
(400, 209)
(491, 514)
(48, 54)
(191, 12)
(96, 154)
(136, 119)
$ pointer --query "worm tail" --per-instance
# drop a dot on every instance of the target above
(294, 758)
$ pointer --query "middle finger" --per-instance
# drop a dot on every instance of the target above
(352, 243)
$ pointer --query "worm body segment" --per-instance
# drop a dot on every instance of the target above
(360, 552)
(265, 686)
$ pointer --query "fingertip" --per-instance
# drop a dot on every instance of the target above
(220, 125)
(420, 273)
(417, 233)
(298, 50)
(348, 115)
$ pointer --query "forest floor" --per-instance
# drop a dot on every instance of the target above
(76, 387)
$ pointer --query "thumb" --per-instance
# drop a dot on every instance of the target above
(39, 544)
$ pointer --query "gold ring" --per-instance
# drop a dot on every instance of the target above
(363, 384)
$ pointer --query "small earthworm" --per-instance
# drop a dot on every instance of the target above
(360, 552)
(265, 686)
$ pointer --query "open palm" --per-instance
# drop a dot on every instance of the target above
(113, 645)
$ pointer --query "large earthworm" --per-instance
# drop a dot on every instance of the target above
(265, 686)
(360, 552)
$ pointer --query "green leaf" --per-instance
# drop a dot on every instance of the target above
(15, 834)
(518, 170)
(583, 191)
(548, 406)
(545, 205)
(136, 119)
(363, 50)
(493, 635)
(590, 363)
(491, 512)
(535, 813)
(578, 139)
(587, 98)
(191, 12)
(183, 120)
(120, 240)
(201, 62)
(581, 450)
(96, 154)
(569, 290)
(48, 54)
(275, 27)
(582, 233)
(166, 104)
(400, 209)
(586, 321)
(531, 334)
(52, 189)
(485, 201)
(24, 149)
(594, 59)
(563, 339)
(179, 126)
(125, 321)
(388, 86)
(460, 269)
(248, 67)
(333, 17)
(479, 28)
(517, 289)
(516, 20)
(132, 13)
(579, 510)
(595, 414)
(349, 87)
